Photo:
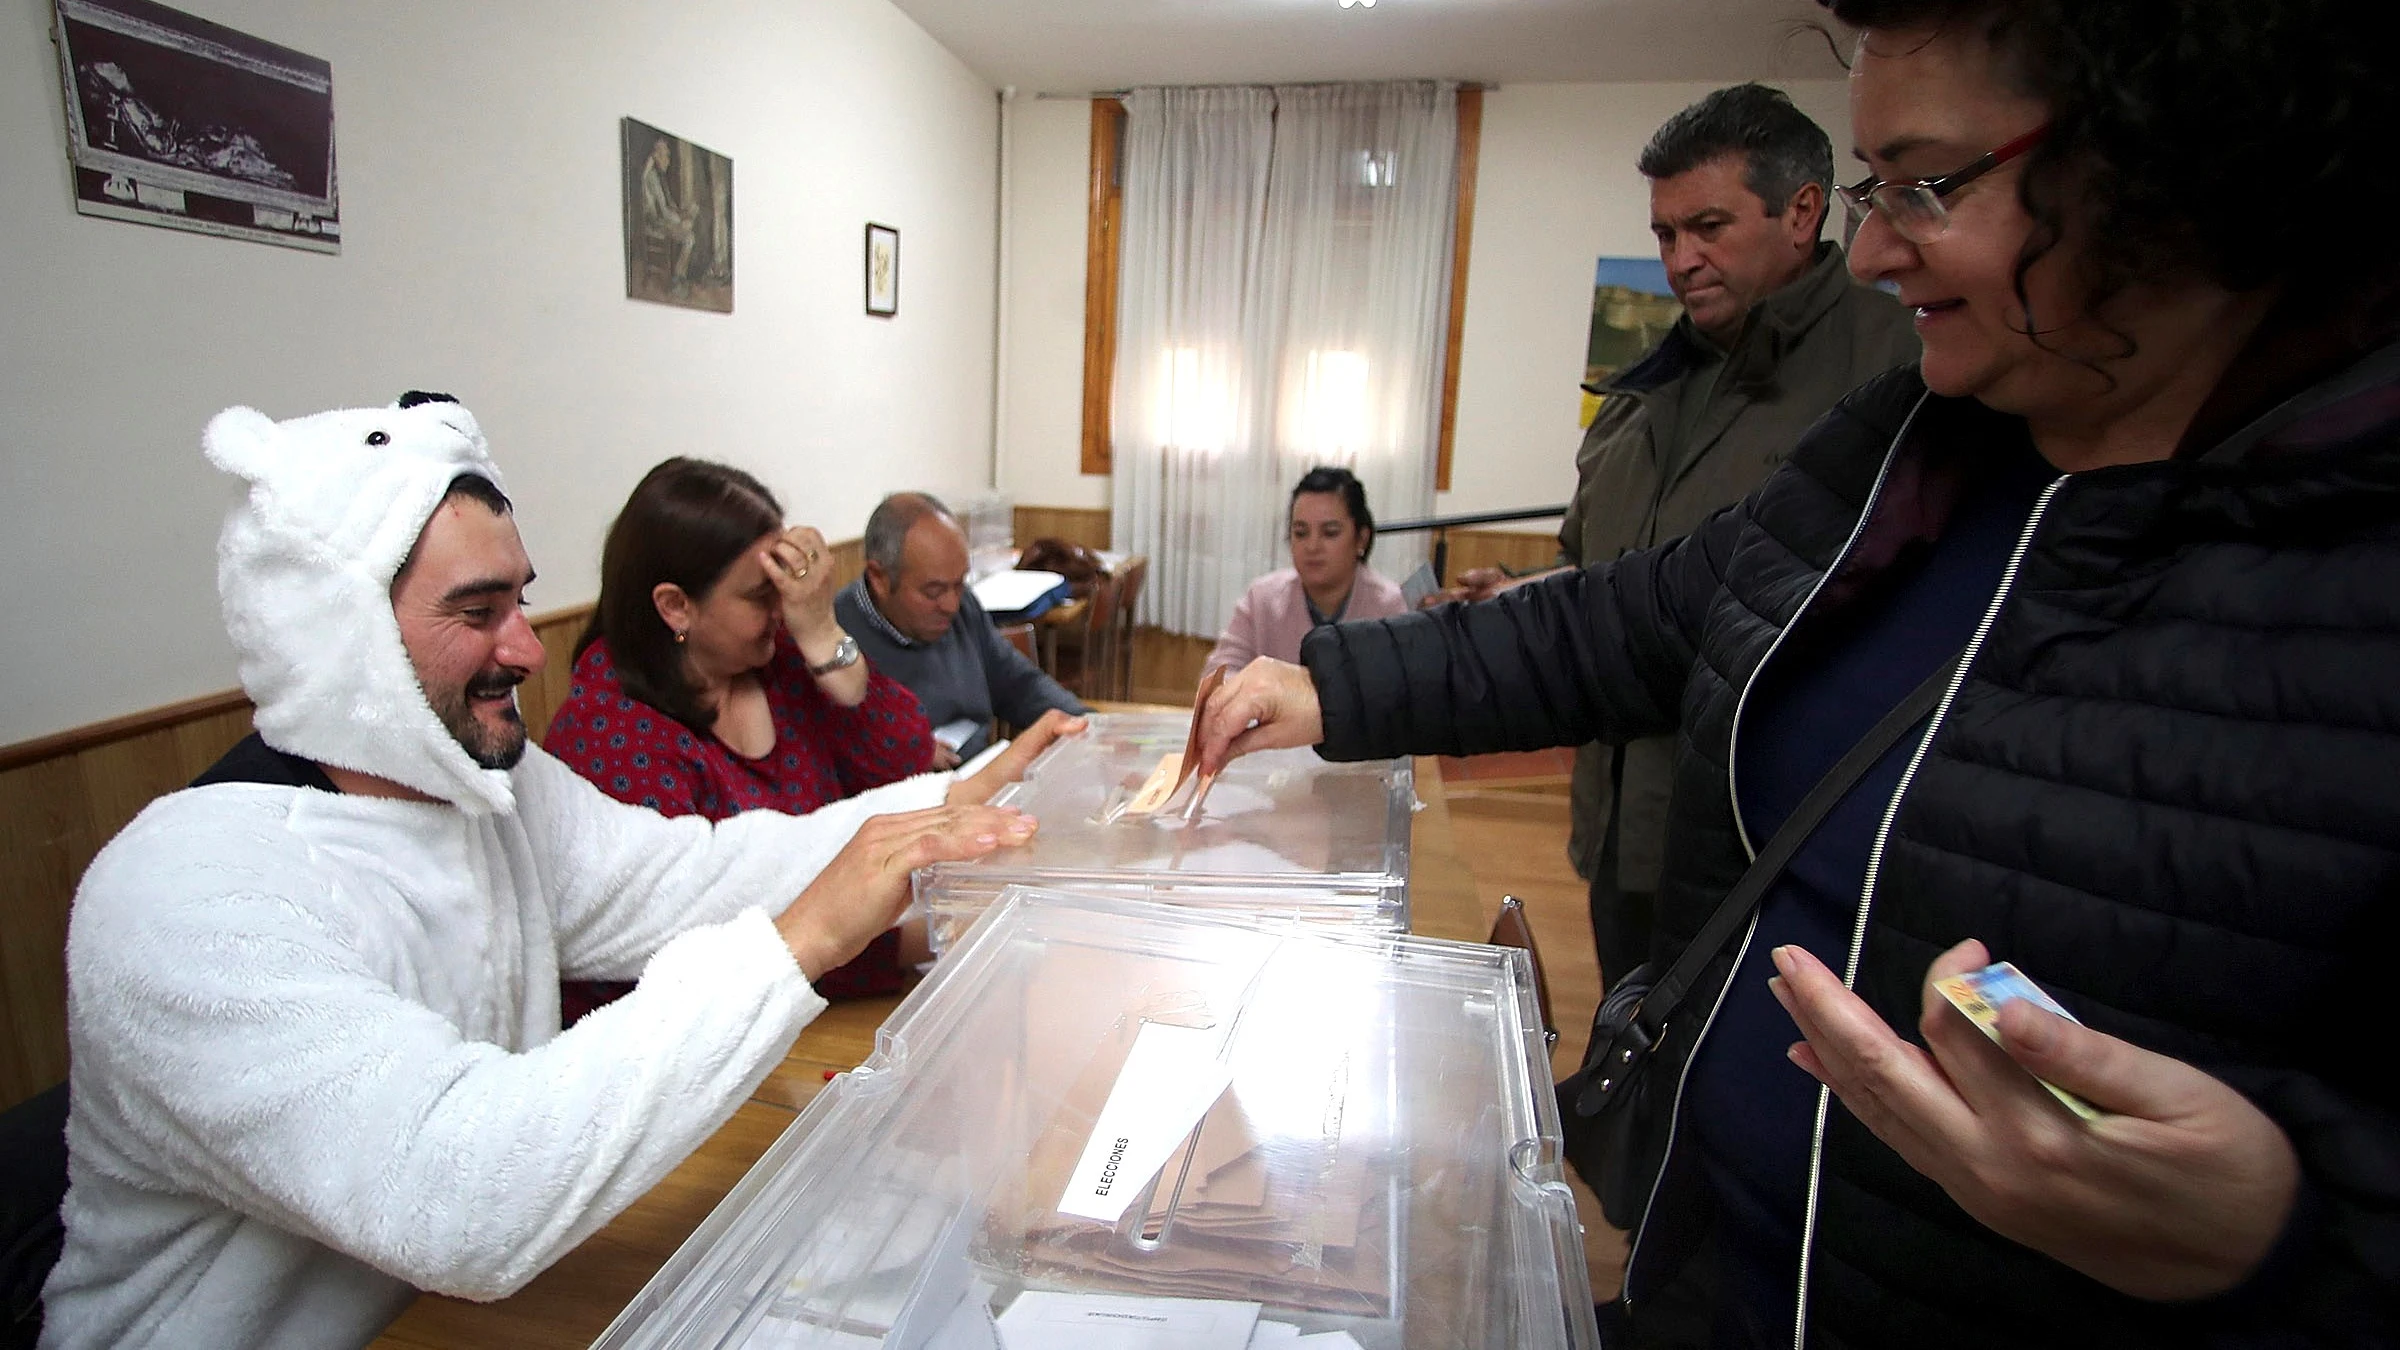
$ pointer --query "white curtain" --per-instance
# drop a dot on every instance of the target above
(1284, 278)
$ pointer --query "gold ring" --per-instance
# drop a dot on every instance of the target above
(801, 573)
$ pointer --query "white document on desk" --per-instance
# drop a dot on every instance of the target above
(1170, 1079)
(975, 766)
(1013, 590)
(955, 734)
(1042, 1320)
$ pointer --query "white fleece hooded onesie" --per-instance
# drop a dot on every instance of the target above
(315, 1037)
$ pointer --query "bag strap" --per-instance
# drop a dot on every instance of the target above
(1667, 992)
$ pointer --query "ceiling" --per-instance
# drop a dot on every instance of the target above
(1085, 46)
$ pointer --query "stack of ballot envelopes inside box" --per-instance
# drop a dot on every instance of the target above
(1116, 1123)
(1123, 813)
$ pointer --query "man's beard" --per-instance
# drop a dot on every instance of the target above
(490, 749)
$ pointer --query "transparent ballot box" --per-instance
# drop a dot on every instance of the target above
(1280, 832)
(1106, 1122)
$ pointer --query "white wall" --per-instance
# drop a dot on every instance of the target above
(1041, 434)
(478, 152)
(1555, 189)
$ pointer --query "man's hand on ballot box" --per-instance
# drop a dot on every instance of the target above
(1010, 765)
(864, 890)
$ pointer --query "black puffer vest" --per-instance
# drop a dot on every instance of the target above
(2167, 786)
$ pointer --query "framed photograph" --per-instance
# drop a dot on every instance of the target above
(883, 270)
(1632, 308)
(678, 221)
(179, 122)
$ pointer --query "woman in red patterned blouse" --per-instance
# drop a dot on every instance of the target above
(714, 680)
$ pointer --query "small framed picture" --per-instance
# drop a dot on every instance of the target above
(883, 270)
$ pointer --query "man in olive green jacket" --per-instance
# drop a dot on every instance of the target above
(1773, 333)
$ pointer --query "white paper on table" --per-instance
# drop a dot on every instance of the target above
(1274, 1335)
(1327, 1340)
(955, 734)
(975, 766)
(1013, 590)
(1043, 1320)
(1170, 1079)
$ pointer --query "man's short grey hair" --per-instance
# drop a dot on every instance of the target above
(888, 527)
(1781, 149)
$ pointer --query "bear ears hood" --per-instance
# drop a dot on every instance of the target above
(304, 570)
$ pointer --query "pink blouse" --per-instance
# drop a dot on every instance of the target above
(1272, 616)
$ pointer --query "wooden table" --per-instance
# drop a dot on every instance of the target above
(572, 1302)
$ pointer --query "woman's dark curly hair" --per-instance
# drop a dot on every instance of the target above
(2197, 137)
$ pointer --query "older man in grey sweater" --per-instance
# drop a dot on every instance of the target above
(916, 620)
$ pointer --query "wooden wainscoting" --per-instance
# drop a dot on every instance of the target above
(1516, 550)
(1085, 525)
(538, 698)
(849, 559)
(62, 797)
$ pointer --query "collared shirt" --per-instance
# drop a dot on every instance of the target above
(857, 592)
(969, 673)
(1318, 618)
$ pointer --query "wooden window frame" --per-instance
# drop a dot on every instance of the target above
(1104, 216)
(1104, 212)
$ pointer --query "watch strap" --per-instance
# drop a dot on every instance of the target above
(845, 653)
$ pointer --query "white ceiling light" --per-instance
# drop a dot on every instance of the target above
(1358, 4)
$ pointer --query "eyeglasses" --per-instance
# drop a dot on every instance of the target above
(1913, 207)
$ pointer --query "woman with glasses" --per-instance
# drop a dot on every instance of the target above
(2132, 529)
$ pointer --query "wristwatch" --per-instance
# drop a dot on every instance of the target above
(845, 654)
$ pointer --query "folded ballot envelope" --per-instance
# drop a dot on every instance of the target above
(1116, 1122)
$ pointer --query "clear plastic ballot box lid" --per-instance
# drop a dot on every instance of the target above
(1107, 1122)
(1282, 831)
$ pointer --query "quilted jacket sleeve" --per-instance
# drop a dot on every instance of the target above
(1601, 653)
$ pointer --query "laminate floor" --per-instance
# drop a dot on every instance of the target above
(1510, 824)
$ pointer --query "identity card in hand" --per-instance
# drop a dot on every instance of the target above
(1981, 994)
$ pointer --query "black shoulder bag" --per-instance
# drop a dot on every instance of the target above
(1614, 1117)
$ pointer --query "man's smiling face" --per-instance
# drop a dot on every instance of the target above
(460, 603)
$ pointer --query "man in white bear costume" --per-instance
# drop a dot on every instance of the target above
(317, 1062)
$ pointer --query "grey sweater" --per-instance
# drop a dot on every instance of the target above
(972, 672)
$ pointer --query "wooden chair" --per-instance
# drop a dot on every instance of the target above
(1511, 929)
(1082, 649)
(1128, 579)
(1020, 636)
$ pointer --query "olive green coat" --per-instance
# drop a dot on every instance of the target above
(1803, 348)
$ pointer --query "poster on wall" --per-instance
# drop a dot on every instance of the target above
(1632, 308)
(678, 221)
(179, 122)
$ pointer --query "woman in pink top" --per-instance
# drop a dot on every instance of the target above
(1331, 533)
